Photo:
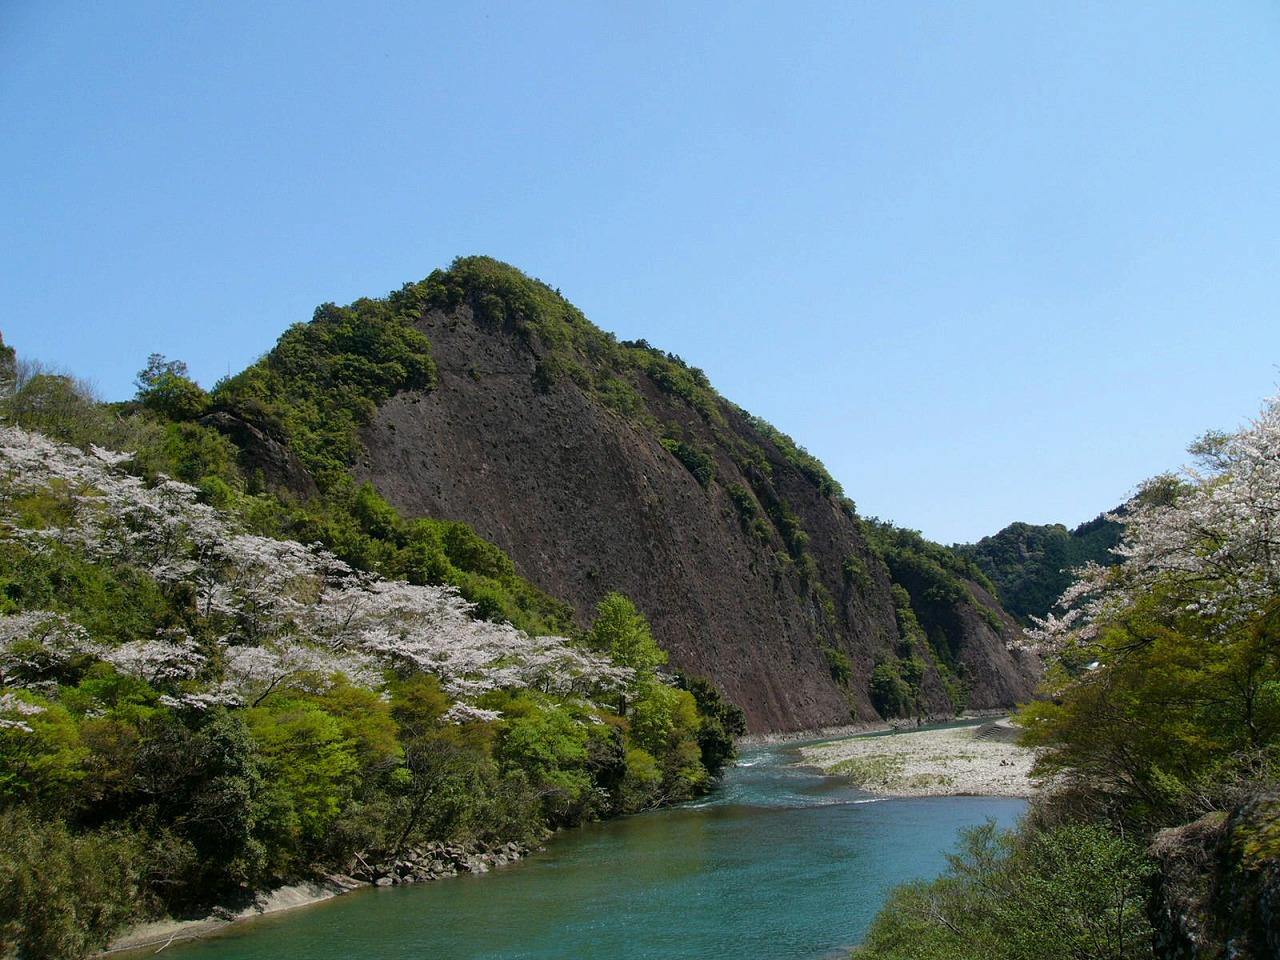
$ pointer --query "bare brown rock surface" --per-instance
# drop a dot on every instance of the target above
(585, 500)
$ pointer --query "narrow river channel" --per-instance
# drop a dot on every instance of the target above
(781, 863)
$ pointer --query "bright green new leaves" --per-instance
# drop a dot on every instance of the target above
(307, 758)
(622, 631)
(44, 763)
(1074, 892)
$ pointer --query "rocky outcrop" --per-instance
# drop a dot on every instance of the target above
(432, 861)
(262, 456)
(1217, 889)
(586, 498)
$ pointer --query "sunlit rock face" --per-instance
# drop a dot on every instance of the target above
(586, 499)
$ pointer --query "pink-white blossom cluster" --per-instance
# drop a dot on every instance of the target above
(408, 627)
(283, 614)
(1211, 542)
(37, 642)
(13, 710)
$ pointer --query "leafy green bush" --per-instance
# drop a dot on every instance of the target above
(856, 574)
(65, 894)
(697, 461)
(839, 665)
(1076, 891)
(890, 693)
(722, 722)
(165, 389)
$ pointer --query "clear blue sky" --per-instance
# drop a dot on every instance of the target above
(989, 261)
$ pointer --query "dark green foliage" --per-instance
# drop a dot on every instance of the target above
(1031, 565)
(890, 694)
(990, 618)
(697, 461)
(839, 665)
(1075, 891)
(788, 525)
(165, 389)
(722, 722)
(856, 574)
(198, 784)
(64, 894)
(748, 510)
(8, 368)
(743, 502)
(909, 628)
(191, 453)
(323, 380)
(801, 459)
(936, 584)
(117, 604)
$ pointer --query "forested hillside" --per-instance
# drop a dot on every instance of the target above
(482, 395)
(1030, 565)
(192, 710)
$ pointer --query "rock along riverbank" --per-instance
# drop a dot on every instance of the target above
(432, 861)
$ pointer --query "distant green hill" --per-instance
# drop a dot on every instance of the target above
(1031, 564)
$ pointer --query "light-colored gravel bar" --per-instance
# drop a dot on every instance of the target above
(981, 760)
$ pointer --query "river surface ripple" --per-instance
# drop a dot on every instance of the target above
(780, 863)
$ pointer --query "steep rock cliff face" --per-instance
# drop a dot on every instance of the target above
(754, 577)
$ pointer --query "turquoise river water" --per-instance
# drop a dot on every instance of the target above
(781, 863)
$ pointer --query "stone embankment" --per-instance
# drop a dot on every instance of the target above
(432, 861)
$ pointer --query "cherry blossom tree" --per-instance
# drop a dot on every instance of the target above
(36, 643)
(12, 711)
(1209, 541)
(283, 614)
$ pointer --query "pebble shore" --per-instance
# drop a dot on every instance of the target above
(981, 760)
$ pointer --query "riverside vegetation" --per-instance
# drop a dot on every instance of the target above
(228, 664)
(195, 707)
(1159, 835)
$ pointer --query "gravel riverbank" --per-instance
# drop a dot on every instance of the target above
(981, 760)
